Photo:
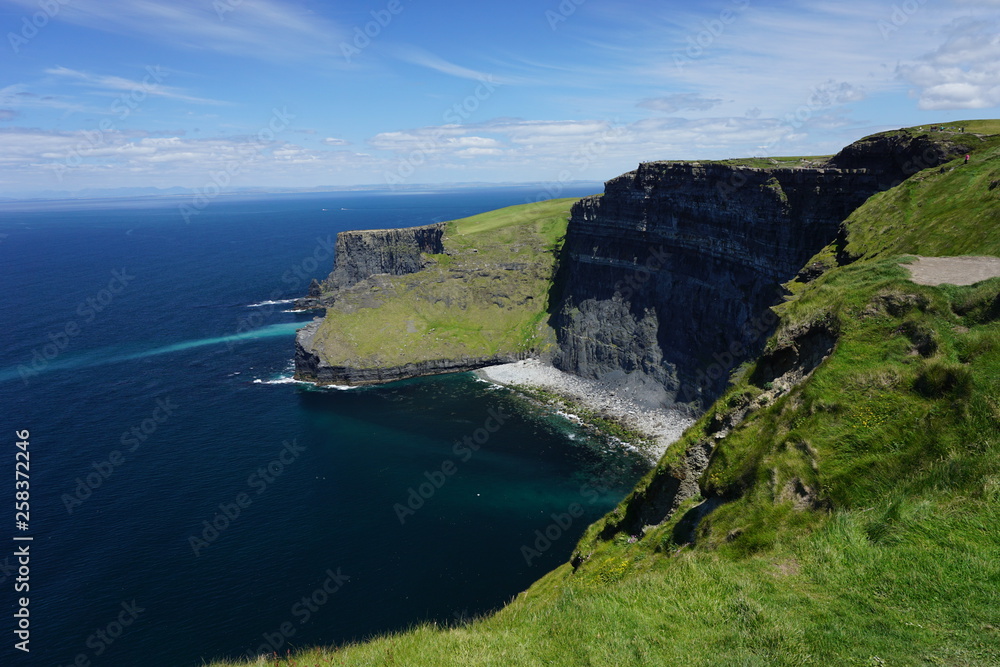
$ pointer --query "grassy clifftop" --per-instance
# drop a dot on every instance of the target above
(848, 514)
(486, 295)
(953, 209)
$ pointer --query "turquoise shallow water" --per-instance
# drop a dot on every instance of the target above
(189, 502)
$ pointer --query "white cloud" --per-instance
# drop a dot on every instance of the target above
(333, 141)
(963, 73)
(85, 159)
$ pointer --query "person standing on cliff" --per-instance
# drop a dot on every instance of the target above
(966, 158)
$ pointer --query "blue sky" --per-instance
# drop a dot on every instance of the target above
(302, 93)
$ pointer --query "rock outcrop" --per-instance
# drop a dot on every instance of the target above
(364, 253)
(360, 254)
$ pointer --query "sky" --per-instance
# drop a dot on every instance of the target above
(224, 94)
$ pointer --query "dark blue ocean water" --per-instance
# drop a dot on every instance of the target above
(152, 389)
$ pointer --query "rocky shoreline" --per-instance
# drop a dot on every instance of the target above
(663, 426)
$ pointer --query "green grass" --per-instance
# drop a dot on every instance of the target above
(777, 162)
(486, 295)
(787, 162)
(987, 126)
(860, 505)
(944, 211)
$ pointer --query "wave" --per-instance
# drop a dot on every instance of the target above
(288, 379)
(271, 303)
(280, 380)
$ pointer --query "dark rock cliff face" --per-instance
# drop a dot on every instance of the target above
(667, 279)
(360, 254)
(365, 253)
(893, 158)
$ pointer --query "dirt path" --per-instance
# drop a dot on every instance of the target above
(953, 270)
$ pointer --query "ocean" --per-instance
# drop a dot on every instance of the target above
(187, 501)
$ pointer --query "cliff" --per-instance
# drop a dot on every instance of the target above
(442, 298)
(665, 282)
(835, 504)
(668, 278)
(395, 252)
(362, 254)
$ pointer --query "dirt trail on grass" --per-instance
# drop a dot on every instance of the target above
(953, 270)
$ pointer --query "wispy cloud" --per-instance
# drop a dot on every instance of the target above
(115, 84)
(19, 97)
(680, 102)
(417, 56)
(262, 29)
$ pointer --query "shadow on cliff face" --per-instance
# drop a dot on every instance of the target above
(607, 324)
(558, 292)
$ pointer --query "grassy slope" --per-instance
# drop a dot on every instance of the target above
(465, 304)
(897, 559)
(950, 210)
